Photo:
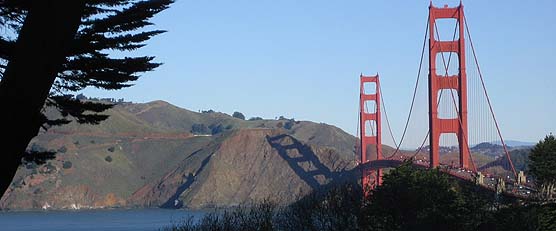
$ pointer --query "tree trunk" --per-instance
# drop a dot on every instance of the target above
(40, 51)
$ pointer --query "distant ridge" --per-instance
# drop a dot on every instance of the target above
(514, 143)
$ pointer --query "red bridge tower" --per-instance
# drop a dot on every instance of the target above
(370, 119)
(438, 82)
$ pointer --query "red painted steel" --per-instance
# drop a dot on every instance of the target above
(370, 138)
(437, 82)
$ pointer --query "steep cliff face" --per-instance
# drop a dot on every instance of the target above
(249, 165)
(146, 155)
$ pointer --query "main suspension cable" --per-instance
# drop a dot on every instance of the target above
(414, 92)
(488, 101)
(386, 116)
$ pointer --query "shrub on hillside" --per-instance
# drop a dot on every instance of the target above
(37, 148)
(31, 165)
(62, 149)
(48, 168)
(67, 165)
(238, 115)
(200, 129)
(255, 118)
(289, 124)
(111, 149)
(108, 159)
(216, 129)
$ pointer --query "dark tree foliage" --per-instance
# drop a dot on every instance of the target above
(547, 217)
(238, 115)
(253, 218)
(520, 159)
(106, 27)
(216, 128)
(543, 165)
(200, 129)
(62, 149)
(67, 165)
(289, 124)
(50, 49)
(412, 199)
(255, 118)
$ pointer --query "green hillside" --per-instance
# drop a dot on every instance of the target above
(142, 146)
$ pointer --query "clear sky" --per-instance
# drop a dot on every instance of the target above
(302, 59)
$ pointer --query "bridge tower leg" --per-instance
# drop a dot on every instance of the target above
(370, 128)
(438, 82)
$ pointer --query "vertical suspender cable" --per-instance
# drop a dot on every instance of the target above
(488, 101)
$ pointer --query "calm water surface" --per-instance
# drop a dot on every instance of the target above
(140, 219)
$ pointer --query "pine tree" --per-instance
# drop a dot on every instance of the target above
(51, 49)
(543, 166)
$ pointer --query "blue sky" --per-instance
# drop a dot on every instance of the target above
(302, 59)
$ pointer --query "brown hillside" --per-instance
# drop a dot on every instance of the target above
(147, 155)
(249, 165)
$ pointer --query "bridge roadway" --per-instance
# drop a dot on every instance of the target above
(511, 190)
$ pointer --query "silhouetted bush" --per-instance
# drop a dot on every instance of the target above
(108, 159)
(260, 216)
(81, 97)
(255, 118)
(238, 115)
(111, 149)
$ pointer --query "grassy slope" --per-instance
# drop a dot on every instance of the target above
(145, 142)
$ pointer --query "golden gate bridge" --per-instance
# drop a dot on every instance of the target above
(459, 116)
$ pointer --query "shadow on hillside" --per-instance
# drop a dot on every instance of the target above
(306, 156)
(502, 162)
(173, 202)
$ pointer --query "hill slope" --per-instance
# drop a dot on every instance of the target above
(151, 154)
